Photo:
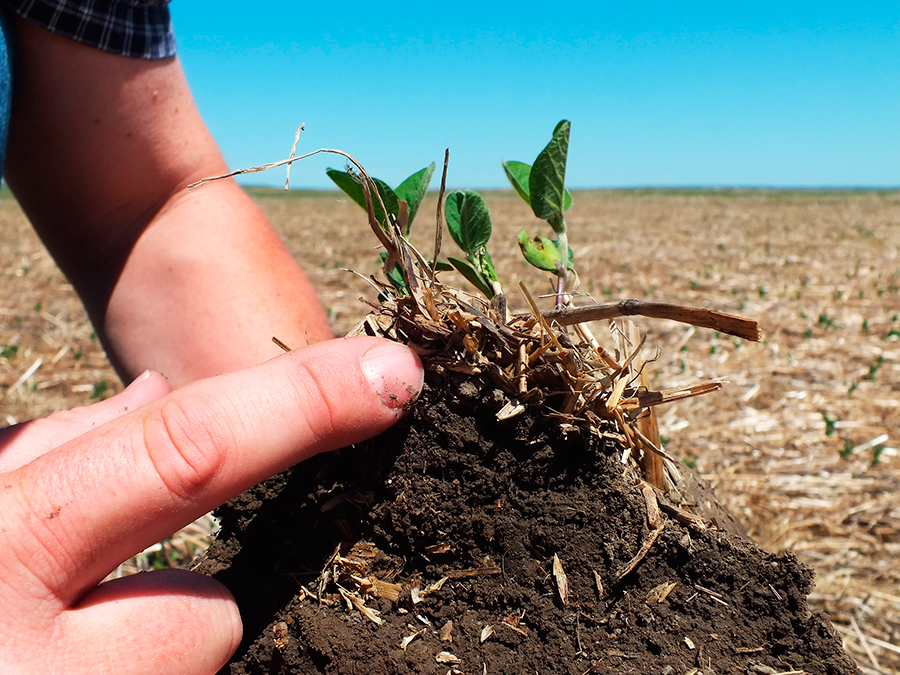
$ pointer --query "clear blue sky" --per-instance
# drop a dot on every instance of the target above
(659, 94)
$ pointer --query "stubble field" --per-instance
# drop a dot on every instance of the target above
(802, 442)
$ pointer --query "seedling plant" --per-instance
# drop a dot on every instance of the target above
(457, 331)
(541, 185)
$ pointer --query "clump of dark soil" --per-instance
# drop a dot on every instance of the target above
(431, 549)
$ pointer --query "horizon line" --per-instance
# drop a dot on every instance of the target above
(661, 188)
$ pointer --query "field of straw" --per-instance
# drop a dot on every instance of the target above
(802, 442)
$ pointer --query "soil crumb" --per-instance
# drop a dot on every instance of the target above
(456, 543)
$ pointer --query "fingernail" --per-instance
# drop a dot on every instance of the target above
(140, 378)
(395, 373)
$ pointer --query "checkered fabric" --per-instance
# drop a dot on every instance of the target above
(135, 28)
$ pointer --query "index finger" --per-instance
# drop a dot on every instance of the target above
(80, 510)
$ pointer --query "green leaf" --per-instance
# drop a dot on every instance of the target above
(391, 203)
(466, 268)
(413, 190)
(451, 213)
(486, 266)
(546, 184)
(396, 278)
(518, 173)
(354, 190)
(541, 252)
(468, 220)
(348, 184)
(441, 266)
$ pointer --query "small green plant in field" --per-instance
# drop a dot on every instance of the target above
(876, 453)
(829, 424)
(9, 351)
(469, 223)
(391, 212)
(412, 191)
(847, 452)
(875, 367)
(99, 389)
(542, 186)
(827, 322)
(390, 207)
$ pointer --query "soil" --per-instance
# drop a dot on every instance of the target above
(818, 268)
(481, 529)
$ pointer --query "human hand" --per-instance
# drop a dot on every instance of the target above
(85, 489)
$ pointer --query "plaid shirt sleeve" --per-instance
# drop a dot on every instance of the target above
(136, 28)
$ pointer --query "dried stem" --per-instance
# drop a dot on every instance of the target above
(439, 216)
(705, 318)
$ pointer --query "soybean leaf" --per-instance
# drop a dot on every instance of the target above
(468, 271)
(540, 252)
(391, 203)
(451, 213)
(546, 183)
(348, 184)
(395, 276)
(468, 220)
(354, 190)
(413, 189)
(486, 267)
(441, 266)
(518, 173)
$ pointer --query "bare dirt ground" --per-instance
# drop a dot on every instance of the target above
(802, 443)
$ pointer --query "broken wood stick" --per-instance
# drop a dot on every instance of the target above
(695, 316)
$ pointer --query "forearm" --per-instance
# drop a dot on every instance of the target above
(191, 284)
(204, 290)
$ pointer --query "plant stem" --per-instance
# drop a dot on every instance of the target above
(562, 269)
